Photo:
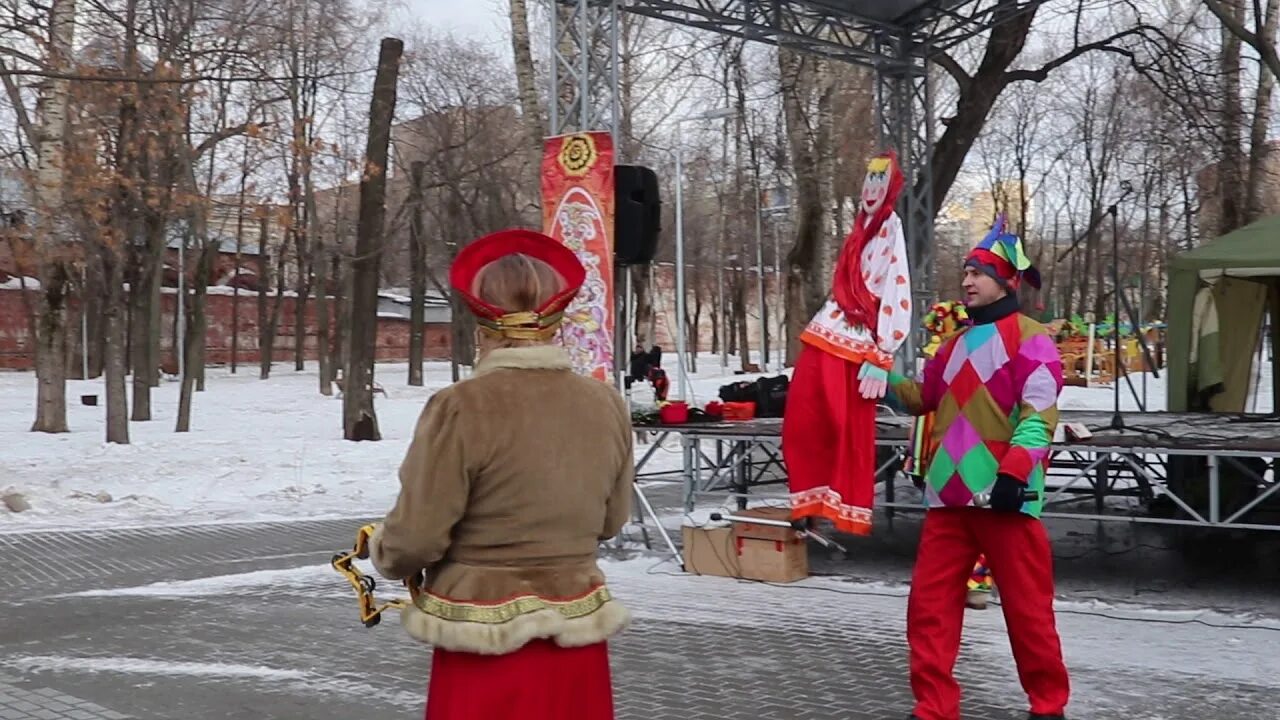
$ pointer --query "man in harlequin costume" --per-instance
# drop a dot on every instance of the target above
(828, 426)
(943, 320)
(994, 387)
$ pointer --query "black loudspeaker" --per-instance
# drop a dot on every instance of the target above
(637, 214)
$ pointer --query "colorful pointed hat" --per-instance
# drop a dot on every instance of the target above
(1001, 255)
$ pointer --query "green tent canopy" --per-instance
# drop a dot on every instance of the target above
(1243, 268)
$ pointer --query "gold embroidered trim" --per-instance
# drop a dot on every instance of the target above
(526, 325)
(494, 614)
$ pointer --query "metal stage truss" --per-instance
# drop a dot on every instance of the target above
(895, 38)
(1139, 468)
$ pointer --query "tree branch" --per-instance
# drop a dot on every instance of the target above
(1266, 50)
(1106, 45)
(948, 63)
(19, 109)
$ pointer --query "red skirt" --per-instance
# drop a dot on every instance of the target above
(540, 681)
(829, 442)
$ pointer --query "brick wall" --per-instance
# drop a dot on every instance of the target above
(392, 334)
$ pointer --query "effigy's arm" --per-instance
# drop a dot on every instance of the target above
(891, 282)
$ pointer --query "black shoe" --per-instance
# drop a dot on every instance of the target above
(1038, 716)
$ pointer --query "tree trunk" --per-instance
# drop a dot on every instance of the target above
(462, 336)
(740, 313)
(1257, 182)
(193, 358)
(692, 324)
(302, 289)
(235, 284)
(51, 321)
(51, 349)
(115, 357)
(804, 291)
(267, 345)
(1231, 171)
(418, 269)
(526, 82)
(155, 355)
(341, 280)
(323, 324)
(140, 328)
(320, 265)
(264, 340)
(359, 420)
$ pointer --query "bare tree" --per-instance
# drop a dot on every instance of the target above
(417, 272)
(54, 275)
(359, 420)
(1231, 13)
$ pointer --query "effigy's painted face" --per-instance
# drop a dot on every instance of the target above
(876, 185)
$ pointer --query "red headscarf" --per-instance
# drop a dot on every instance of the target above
(849, 289)
(540, 322)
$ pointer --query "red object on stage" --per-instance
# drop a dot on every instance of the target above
(739, 410)
(540, 681)
(674, 413)
(829, 442)
(1018, 554)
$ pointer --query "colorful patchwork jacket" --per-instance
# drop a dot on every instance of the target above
(994, 388)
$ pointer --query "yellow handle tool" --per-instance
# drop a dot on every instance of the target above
(370, 609)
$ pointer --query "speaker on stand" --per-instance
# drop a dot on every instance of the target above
(637, 221)
(637, 215)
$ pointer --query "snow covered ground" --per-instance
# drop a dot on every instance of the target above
(257, 450)
(1099, 638)
(269, 450)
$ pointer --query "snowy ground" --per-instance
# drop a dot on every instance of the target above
(271, 450)
(204, 622)
(257, 450)
(185, 622)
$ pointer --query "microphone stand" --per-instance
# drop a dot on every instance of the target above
(1117, 419)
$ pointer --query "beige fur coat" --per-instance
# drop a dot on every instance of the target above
(512, 479)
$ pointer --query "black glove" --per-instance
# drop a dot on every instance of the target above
(1006, 494)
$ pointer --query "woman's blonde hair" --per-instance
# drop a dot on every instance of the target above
(516, 283)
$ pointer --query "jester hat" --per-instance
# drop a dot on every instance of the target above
(1001, 256)
(537, 324)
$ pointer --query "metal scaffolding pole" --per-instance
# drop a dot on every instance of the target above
(904, 111)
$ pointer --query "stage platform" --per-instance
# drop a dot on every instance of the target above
(1193, 469)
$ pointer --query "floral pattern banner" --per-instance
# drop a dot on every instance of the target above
(577, 210)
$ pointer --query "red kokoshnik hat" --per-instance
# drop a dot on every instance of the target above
(537, 324)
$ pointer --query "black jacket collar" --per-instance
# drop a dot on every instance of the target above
(998, 310)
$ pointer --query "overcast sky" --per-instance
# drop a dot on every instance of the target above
(484, 19)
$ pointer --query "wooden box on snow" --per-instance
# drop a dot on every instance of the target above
(724, 553)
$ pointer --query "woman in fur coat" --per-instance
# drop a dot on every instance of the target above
(512, 478)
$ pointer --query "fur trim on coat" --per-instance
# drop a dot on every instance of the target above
(530, 357)
(507, 637)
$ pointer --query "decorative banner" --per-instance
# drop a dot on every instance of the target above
(577, 210)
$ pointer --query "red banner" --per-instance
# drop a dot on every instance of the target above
(577, 210)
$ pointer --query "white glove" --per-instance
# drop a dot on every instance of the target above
(873, 381)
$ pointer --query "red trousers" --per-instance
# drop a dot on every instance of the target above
(829, 442)
(540, 681)
(1017, 552)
